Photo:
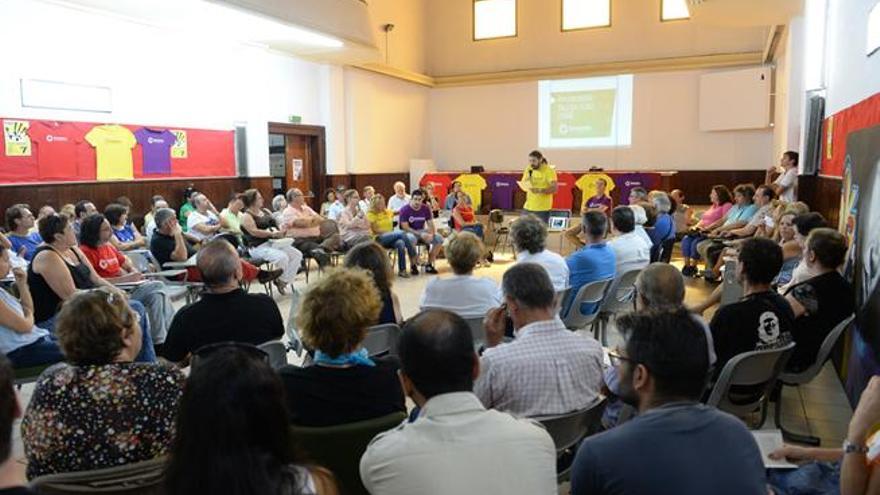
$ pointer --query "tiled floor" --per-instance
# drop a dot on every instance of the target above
(819, 408)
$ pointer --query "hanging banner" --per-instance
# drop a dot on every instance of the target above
(15, 137)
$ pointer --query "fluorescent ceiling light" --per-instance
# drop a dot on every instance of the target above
(494, 19)
(874, 29)
(672, 10)
(579, 14)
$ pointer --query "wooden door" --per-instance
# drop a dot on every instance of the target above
(299, 159)
(306, 143)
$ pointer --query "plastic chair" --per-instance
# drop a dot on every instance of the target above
(757, 370)
(731, 289)
(140, 478)
(496, 224)
(806, 376)
(592, 293)
(277, 352)
(477, 331)
(619, 298)
(340, 448)
(560, 298)
(29, 375)
(666, 248)
(381, 340)
(567, 431)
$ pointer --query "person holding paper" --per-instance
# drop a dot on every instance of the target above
(539, 183)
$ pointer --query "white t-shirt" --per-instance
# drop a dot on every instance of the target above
(788, 183)
(552, 262)
(464, 295)
(395, 203)
(196, 218)
(630, 251)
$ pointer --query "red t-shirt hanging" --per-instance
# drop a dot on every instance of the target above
(106, 259)
(56, 144)
(563, 198)
(441, 183)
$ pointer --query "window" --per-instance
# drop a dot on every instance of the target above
(673, 10)
(494, 19)
(585, 14)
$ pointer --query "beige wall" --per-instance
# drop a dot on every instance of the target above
(496, 126)
(386, 122)
(636, 34)
(407, 42)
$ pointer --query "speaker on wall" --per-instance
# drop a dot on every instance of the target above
(813, 133)
(241, 161)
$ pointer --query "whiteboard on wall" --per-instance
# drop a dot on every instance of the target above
(735, 99)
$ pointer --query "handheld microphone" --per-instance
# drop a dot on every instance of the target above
(530, 173)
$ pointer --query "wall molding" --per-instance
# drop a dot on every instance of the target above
(713, 61)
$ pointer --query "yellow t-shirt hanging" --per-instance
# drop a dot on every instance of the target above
(587, 184)
(539, 179)
(113, 144)
(473, 185)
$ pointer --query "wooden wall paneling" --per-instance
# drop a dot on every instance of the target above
(383, 183)
(697, 184)
(822, 194)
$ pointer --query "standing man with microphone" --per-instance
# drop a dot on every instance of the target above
(539, 183)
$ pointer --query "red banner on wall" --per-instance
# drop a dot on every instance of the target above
(837, 127)
(61, 151)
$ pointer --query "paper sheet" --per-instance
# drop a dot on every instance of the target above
(768, 441)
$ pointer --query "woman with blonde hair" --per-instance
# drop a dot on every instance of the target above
(382, 224)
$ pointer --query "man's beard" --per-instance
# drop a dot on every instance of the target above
(627, 393)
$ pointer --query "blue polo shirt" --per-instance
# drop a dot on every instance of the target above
(589, 264)
(28, 242)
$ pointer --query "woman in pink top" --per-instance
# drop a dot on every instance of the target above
(721, 202)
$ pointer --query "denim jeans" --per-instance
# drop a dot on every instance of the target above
(476, 229)
(43, 351)
(402, 243)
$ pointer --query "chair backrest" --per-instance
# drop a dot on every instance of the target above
(731, 289)
(381, 340)
(568, 429)
(560, 298)
(593, 293)
(757, 370)
(339, 448)
(621, 292)
(142, 259)
(666, 250)
(277, 352)
(824, 353)
(141, 478)
(477, 330)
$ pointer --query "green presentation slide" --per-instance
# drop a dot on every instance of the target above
(582, 114)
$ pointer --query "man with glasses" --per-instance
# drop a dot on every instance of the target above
(675, 444)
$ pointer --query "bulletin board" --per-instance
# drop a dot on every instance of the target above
(837, 128)
(41, 151)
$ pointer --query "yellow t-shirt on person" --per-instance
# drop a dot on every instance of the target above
(383, 219)
(540, 178)
(473, 185)
(587, 184)
(113, 144)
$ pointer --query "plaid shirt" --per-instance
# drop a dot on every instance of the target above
(546, 370)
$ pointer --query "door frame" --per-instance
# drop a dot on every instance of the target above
(318, 142)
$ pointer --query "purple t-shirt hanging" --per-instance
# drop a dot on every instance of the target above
(502, 187)
(156, 144)
(626, 182)
(415, 218)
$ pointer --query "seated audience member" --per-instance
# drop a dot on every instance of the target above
(230, 217)
(416, 220)
(203, 223)
(595, 261)
(738, 216)
(464, 219)
(803, 225)
(44, 211)
(12, 477)
(463, 293)
(630, 251)
(279, 203)
(664, 225)
(847, 470)
(791, 250)
(638, 195)
(432, 201)
(675, 442)
(364, 203)
(224, 312)
(452, 196)
(642, 220)
(353, 224)
(24, 343)
(547, 369)
(329, 199)
(150, 223)
(154, 205)
(232, 431)
(822, 301)
(68, 210)
(304, 225)
(528, 235)
(683, 216)
(258, 228)
(169, 244)
(101, 409)
(762, 319)
(115, 267)
(455, 445)
(82, 209)
(20, 221)
(125, 236)
(338, 205)
(60, 269)
(371, 257)
(601, 202)
(343, 384)
(721, 200)
(400, 198)
(382, 224)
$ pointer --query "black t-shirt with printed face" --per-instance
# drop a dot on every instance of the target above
(828, 299)
(759, 321)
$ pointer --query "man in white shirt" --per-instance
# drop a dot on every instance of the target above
(364, 204)
(641, 218)
(455, 445)
(547, 369)
(630, 250)
(203, 223)
(785, 185)
(399, 199)
(529, 237)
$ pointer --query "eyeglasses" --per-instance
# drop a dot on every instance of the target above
(251, 350)
(617, 358)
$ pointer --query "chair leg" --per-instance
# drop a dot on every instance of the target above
(787, 435)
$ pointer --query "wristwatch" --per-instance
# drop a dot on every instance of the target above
(852, 448)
